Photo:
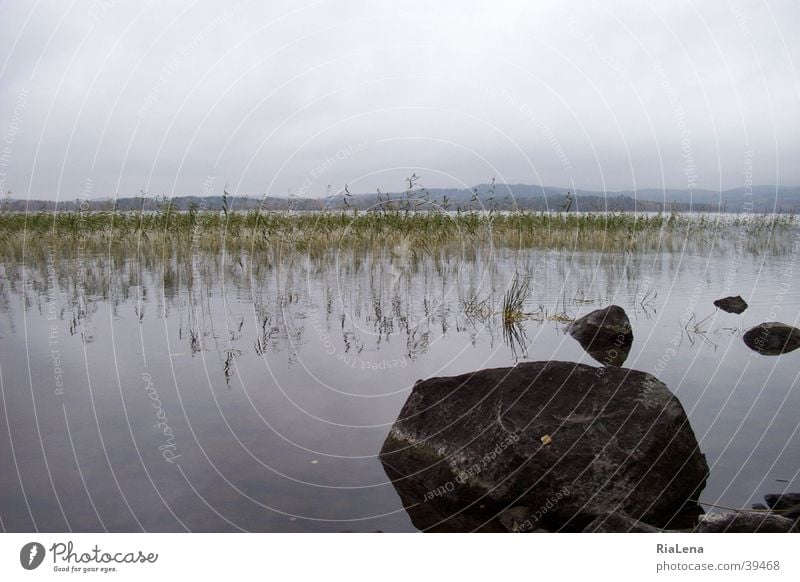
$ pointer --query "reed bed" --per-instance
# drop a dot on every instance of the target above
(316, 232)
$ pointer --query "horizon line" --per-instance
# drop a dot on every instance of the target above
(464, 189)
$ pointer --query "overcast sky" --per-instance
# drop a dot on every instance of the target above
(172, 98)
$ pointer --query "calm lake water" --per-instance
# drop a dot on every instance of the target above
(225, 393)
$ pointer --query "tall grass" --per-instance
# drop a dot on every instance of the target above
(514, 301)
(320, 231)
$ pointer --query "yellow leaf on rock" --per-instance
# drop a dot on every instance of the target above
(546, 440)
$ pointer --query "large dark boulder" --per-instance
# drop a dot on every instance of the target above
(735, 305)
(605, 334)
(542, 445)
(772, 338)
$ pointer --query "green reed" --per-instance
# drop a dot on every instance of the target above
(514, 301)
(315, 232)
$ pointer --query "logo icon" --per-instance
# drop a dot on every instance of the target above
(31, 555)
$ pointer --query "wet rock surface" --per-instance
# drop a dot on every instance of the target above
(618, 523)
(735, 305)
(743, 522)
(543, 445)
(787, 504)
(605, 334)
(772, 338)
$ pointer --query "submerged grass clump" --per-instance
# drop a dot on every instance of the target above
(514, 300)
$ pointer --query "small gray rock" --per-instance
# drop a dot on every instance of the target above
(735, 305)
(605, 334)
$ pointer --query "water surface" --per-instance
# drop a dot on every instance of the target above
(232, 391)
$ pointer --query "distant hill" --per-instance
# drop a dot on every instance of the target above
(483, 196)
(764, 198)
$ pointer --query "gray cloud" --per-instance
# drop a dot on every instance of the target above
(125, 97)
